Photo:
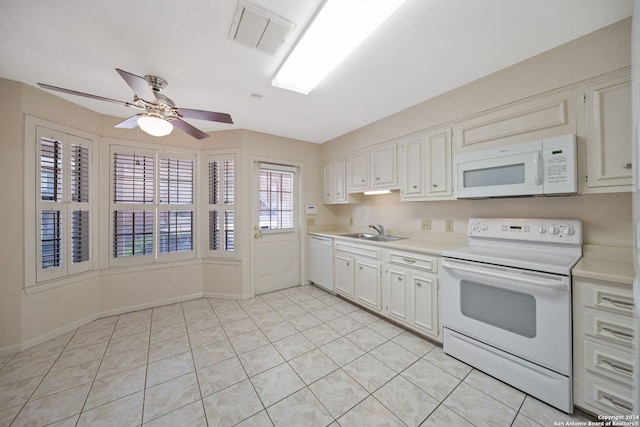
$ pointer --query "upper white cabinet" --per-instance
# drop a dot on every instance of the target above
(425, 166)
(384, 167)
(539, 117)
(607, 131)
(358, 172)
(327, 182)
(373, 169)
(334, 184)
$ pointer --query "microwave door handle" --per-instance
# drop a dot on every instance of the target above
(504, 275)
(537, 166)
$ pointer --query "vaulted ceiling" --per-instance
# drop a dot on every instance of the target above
(426, 48)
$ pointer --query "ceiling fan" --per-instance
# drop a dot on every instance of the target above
(158, 114)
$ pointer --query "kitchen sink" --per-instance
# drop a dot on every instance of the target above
(373, 237)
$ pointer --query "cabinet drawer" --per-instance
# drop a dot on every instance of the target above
(611, 363)
(607, 398)
(610, 299)
(413, 260)
(361, 250)
(615, 330)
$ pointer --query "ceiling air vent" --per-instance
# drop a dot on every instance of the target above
(258, 28)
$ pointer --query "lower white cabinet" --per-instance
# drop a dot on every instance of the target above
(410, 292)
(343, 269)
(400, 285)
(357, 273)
(603, 368)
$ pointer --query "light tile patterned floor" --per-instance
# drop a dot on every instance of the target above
(298, 357)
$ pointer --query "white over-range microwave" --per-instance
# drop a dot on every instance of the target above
(541, 167)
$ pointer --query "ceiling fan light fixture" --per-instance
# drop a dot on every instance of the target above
(337, 30)
(155, 125)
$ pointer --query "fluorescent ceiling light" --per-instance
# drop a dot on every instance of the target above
(336, 31)
(154, 125)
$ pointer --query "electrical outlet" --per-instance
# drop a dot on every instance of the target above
(425, 224)
(448, 225)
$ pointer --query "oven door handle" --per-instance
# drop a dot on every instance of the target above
(494, 272)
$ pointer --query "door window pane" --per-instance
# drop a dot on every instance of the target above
(276, 200)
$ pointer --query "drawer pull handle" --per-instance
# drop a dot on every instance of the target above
(619, 368)
(409, 260)
(619, 405)
(619, 334)
(625, 304)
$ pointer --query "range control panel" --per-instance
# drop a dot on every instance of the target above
(529, 229)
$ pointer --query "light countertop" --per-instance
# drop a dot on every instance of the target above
(425, 242)
(609, 263)
(612, 264)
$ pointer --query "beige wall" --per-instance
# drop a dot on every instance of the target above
(27, 319)
(607, 217)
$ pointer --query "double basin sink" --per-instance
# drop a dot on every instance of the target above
(373, 237)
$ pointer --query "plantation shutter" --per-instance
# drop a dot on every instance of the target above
(176, 211)
(63, 206)
(222, 208)
(133, 202)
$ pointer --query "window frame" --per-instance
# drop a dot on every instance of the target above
(37, 278)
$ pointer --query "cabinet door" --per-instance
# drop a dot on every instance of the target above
(425, 304)
(384, 167)
(367, 284)
(411, 169)
(339, 181)
(327, 182)
(358, 172)
(397, 295)
(608, 134)
(343, 266)
(439, 161)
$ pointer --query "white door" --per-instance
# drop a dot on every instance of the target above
(276, 233)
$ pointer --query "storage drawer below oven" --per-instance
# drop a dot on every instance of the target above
(609, 362)
(607, 398)
(609, 328)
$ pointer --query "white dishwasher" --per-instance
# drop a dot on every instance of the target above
(321, 262)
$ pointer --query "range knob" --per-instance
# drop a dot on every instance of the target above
(542, 229)
(474, 226)
(568, 230)
(553, 230)
(485, 227)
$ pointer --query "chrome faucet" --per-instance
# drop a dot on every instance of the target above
(379, 228)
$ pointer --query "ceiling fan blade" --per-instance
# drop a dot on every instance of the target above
(187, 128)
(139, 85)
(129, 123)
(86, 95)
(205, 115)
